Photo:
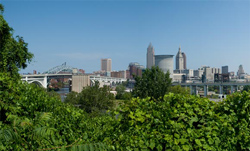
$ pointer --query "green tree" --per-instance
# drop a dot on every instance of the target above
(246, 88)
(154, 83)
(13, 50)
(120, 89)
(125, 83)
(127, 96)
(179, 90)
(54, 94)
(31, 118)
(92, 98)
(72, 98)
(213, 88)
(96, 99)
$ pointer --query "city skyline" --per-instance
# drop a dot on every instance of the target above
(80, 33)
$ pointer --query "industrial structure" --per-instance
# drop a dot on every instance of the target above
(165, 63)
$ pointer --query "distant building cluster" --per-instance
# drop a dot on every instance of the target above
(179, 74)
(182, 74)
(164, 62)
(135, 69)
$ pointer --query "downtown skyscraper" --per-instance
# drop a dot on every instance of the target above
(150, 56)
(185, 60)
(106, 65)
(180, 63)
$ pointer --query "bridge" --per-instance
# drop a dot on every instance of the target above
(43, 79)
(193, 86)
(61, 71)
(64, 71)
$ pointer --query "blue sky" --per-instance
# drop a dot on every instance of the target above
(212, 33)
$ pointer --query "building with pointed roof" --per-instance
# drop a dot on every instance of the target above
(150, 56)
(180, 60)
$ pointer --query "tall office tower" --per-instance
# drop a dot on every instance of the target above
(179, 60)
(150, 56)
(224, 69)
(185, 60)
(106, 65)
(240, 71)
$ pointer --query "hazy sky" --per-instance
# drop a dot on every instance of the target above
(212, 33)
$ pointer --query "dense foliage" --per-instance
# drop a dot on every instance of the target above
(182, 123)
(120, 89)
(13, 50)
(154, 83)
(179, 90)
(246, 88)
(92, 98)
(121, 93)
(30, 119)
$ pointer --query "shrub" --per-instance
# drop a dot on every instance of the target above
(182, 123)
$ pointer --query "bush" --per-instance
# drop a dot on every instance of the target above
(92, 99)
(182, 123)
(30, 119)
(179, 90)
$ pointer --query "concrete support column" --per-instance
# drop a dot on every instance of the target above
(45, 82)
(232, 89)
(205, 90)
(196, 90)
(26, 78)
(191, 89)
(221, 89)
